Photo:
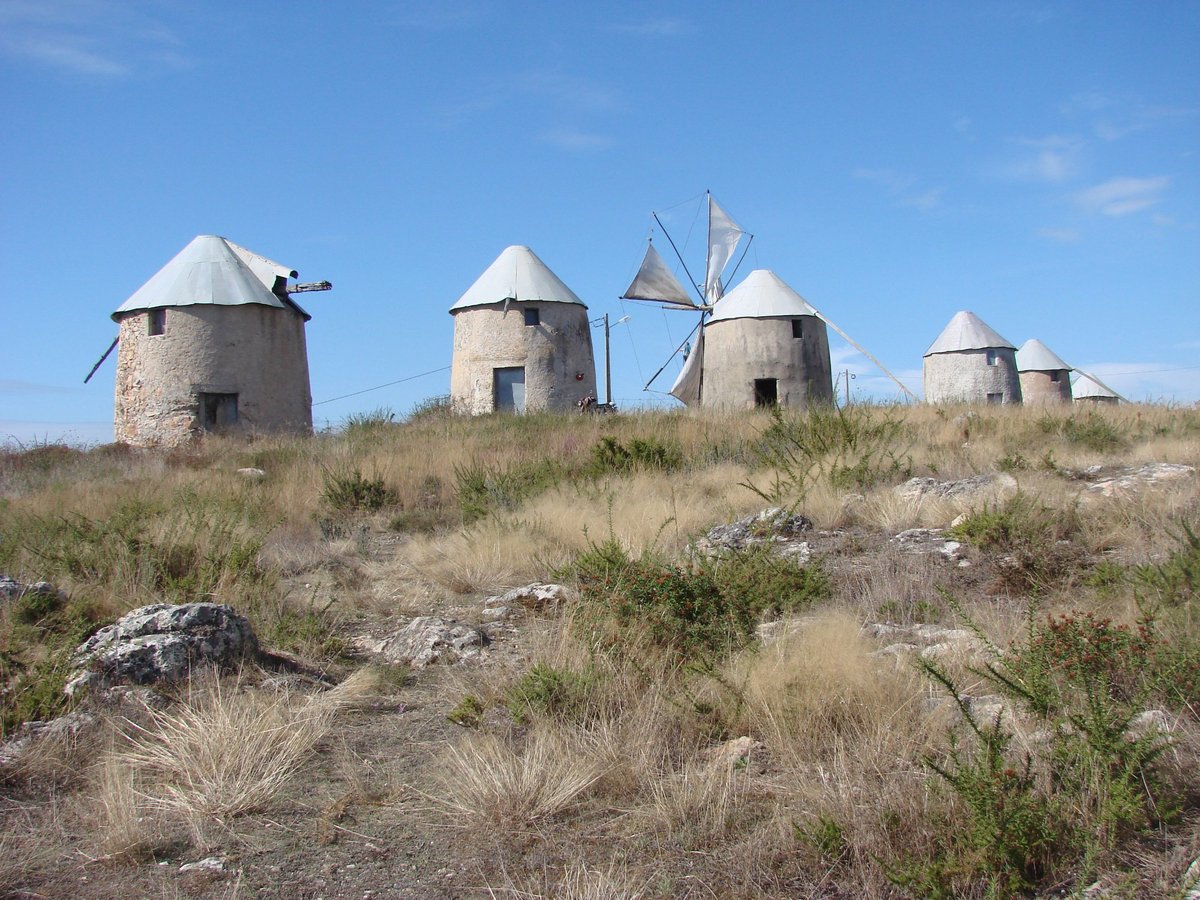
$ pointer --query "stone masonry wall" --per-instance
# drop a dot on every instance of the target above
(1038, 390)
(554, 353)
(257, 352)
(965, 377)
(738, 351)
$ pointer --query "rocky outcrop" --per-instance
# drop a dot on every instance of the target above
(988, 484)
(426, 640)
(1111, 482)
(12, 590)
(930, 541)
(536, 597)
(772, 527)
(162, 643)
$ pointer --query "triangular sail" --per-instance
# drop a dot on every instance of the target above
(655, 282)
(723, 237)
(687, 386)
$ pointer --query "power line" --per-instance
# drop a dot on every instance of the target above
(379, 386)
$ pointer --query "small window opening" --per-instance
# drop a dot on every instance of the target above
(157, 321)
(1054, 376)
(766, 392)
(797, 328)
(995, 399)
(217, 411)
(533, 317)
(992, 358)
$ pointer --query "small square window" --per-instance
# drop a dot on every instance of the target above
(995, 399)
(156, 321)
(1054, 376)
(797, 328)
(532, 317)
(992, 358)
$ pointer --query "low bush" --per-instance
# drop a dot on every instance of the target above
(1029, 539)
(855, 447)
(348, 490)
(1065, 805)
(484, 489)
(640, 454)
(556, 693)
(700, 609)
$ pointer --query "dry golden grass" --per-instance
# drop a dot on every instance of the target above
(225, 750)
(491, 780)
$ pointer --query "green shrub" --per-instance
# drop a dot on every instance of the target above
(367, 423)
(699, 610)
(853, 447)
(1031, 540)
(1093, 432)
(485, 489)
(547, 691)
(348, 490)
(468, 712)
(1067, 805)
(641, 454)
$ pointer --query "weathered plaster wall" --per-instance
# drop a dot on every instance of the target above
(1038, 390)
(965, 377)
(255, 351)
(737, 351)
(554, 353)
(1102, 401)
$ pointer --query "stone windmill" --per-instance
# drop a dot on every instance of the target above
(212, 342)
(522, 342)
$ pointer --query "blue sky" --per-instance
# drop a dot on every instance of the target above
(1036, 162)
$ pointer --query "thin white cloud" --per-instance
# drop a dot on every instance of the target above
(15, 388)
(95, 38)
(1123, 196)
(1052, 159)
(667, 26)
(904, 189)
(574, 139)
(1060, 235)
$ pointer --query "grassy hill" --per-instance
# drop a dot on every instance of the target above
(1005, 704)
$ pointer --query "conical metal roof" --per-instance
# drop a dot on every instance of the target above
(1086, 387)
(211, 271)
(517, 274)
(1034, 356)
(762, 295)
(967, 331)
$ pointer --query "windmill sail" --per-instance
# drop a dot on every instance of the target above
(723, 237)
(655, 282)
(687, 385)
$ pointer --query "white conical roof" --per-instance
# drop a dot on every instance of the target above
(517, 274)
(1086, 387)
(762, 295)
(210, 270)
(1034, 356)
(967, 331)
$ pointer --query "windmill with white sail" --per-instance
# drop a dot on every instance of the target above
(760, 344)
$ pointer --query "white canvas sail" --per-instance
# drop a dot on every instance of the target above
(723, 237)
(655, 282)
(687, 386)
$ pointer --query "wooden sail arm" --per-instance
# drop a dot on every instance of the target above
(864, 352)
(100, 362)
(646, 387)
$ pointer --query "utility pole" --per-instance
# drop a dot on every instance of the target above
(607, 365)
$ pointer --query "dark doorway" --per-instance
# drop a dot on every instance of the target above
(766, 391)
(218, 411)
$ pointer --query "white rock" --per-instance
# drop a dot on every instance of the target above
(208, 864)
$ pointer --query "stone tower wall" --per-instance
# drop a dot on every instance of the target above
(1038, 390)
(738, 351)
(965, 377)
(554, 352)
(255, 351)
